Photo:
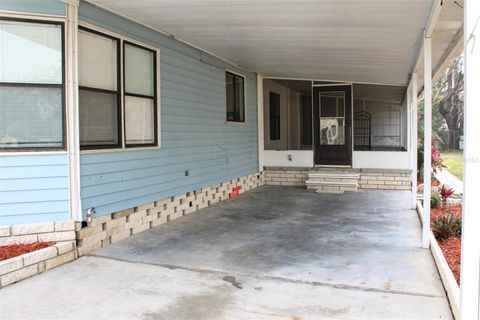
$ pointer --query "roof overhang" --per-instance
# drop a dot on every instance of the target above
(362, 41)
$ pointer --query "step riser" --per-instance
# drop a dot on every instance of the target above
(332, 180)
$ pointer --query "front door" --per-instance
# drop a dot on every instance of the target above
(332, 112)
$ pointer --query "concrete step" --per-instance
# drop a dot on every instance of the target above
(329, 191)
(332, 186)
(343, 176)
(335, 180)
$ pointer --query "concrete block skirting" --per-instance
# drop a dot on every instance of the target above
(291, 177)
(120, 225)
(381, 179)
(385, 179)
(29, 264)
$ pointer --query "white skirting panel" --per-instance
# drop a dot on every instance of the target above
(381, 159)
(288, 158)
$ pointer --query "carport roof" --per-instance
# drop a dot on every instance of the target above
(366, 41)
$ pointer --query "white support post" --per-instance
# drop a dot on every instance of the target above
(260, 132)
(73, 140)
(470, 265)
(414, 138)
(427, 143)
(408, 143)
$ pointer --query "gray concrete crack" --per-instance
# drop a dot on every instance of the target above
(228, 275)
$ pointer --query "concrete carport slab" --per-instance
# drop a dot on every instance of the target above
(272, 253)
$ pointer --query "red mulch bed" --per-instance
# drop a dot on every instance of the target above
(451, 247)
(15, 250)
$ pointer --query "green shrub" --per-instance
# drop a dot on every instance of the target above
(447, 226)
(435, 200)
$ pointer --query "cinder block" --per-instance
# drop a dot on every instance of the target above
(98, 221)
(402, 188)
(403, 179)
(163, 219)
(93, 239)
(22, 229)
(383, 178)
(174, 216)
(18, 275)
(5, 231)
(29, 238)
(64, 247)
(57, 236)
(120, 236)
(133, 224)
(149, 218)
(368, 177)
(169, 211)
(83, 250)
(137, 215)
(39, 255)
(369, 186)
(68, 225)
(122, 213)
(145, 207)
(115, 223)
(110, 232)
(88, 231)
(140, 228)
(58, 261)
(192, 209)
(11, 264)
(161, 204)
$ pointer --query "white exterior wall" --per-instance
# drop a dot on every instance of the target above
(381, 160)
(279, 158)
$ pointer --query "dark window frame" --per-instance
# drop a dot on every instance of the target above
(274, 136)
(154, 98)
(118, 94)
(236, 109)
(43, 85)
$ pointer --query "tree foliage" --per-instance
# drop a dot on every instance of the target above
(447, 108)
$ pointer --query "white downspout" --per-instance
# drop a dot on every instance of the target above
(427, 143)
(73, 136)
(414, 137)
(260, 123)
(470, 265)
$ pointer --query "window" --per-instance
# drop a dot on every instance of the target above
(235, 89)
(31, 85)
(274, 99)
(99, 90)
(140, 96)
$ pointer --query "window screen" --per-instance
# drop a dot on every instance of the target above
(99, 90)
(274, 116)
(140, 96)
(235, 90)
(31, 85)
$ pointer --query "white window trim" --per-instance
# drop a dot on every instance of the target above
(123, 38)
(47, 18)
(244, 122)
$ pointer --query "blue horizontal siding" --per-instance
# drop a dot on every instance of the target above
(56, 7)
(33, 188)
(194, 135)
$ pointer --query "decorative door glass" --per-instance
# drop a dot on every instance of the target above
(332, 118)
